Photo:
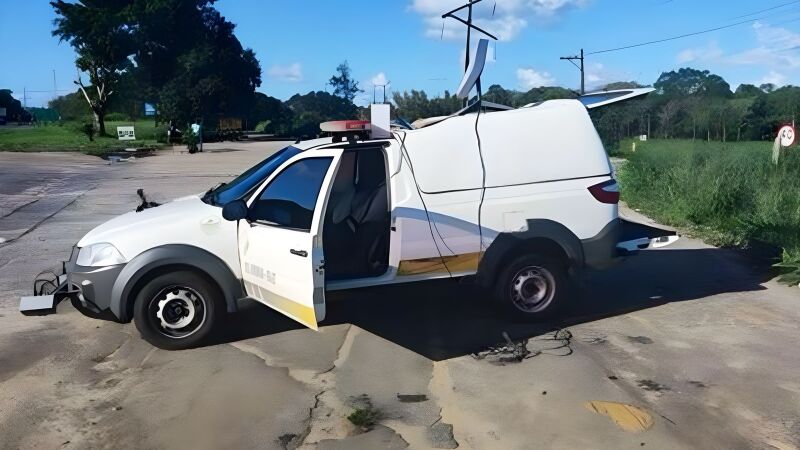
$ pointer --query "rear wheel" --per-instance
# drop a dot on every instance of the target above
(533, 287)
(177, 310)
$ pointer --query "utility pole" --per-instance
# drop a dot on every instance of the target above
(470, 26)
(55, 87)
(572, 60)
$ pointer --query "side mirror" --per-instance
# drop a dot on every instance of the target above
(235, 210)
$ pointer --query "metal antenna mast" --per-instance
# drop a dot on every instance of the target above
(470, 27)
(572, 60)
(374, 88)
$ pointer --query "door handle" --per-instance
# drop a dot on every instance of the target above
(302, 253)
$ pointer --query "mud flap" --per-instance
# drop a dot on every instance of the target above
(638, 236)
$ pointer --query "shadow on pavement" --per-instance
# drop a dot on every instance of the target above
(446, 319)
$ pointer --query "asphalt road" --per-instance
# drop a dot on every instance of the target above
(683, 347)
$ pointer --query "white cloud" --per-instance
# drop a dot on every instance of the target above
(529, 78)
(773, 77)
(379, 79)
(371, 86)
(711, 52)
(503, 18)
(774, 49)
(292, 73)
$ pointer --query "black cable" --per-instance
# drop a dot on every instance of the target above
(483, 184)
(424, 206)
(765, 10)
(658, 41)
(435, 226)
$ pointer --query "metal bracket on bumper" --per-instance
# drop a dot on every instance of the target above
(638, 236)
(49, 290)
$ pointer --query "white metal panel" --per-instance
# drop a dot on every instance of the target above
(445, 155)
(567, 202)
(553, 141)
(186, 221)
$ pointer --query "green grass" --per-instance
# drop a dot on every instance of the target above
(727, 193)
(363, 417)
(67, 137)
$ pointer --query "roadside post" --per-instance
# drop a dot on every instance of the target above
(785, 138)
(197, 130)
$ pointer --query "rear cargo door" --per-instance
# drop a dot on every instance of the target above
(597, 99)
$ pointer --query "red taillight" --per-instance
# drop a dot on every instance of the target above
(606, 192)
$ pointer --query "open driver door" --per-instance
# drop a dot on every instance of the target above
(280, 242)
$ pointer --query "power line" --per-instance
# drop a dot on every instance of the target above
(765, 10)
(658, 41)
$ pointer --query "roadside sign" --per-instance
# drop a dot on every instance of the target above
(149, 109)
(786, 135)
(126, 133)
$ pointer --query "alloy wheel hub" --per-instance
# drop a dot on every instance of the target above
(176, 310)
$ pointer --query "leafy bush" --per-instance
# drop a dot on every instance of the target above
(363, 417)
(730, 193)
(790, 266)
(116, 117)
(191, 140)
(89, 130)
(262, 126)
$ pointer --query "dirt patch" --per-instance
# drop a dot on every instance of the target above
(627, 417)
(640, 340)
(412, 398)
(652, 386)
(23, 350)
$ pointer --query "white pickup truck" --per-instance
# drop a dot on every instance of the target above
(522, 199)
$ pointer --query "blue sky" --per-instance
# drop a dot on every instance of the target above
(300, 42)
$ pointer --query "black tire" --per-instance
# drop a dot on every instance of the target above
(162, 308)
(533, 287)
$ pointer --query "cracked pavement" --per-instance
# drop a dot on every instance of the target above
(682, 347)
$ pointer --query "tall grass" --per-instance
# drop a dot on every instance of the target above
(68, 137)
(729, 193)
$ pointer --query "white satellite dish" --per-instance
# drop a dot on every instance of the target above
(474, 70)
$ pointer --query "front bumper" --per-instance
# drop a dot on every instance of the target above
(88, 288)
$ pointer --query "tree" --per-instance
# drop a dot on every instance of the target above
(191, 63)
(316, 107)
(416, 105)
(748, 90)
(621, 85)
(277, 115)
(99, 32)
(71, 106)
(688, 81)
(343, 84)
(497, 94)
(14, 109)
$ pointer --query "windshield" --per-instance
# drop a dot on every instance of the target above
(248, 180)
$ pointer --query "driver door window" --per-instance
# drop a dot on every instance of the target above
(289, 199)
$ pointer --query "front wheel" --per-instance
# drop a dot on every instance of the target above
(533, 287)
(177, 310)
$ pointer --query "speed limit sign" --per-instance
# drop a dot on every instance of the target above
(786, 135)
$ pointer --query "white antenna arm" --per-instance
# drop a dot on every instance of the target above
(474, 70)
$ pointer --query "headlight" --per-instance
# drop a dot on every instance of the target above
(99, 255)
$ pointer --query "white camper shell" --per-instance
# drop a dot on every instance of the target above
(523, 200)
